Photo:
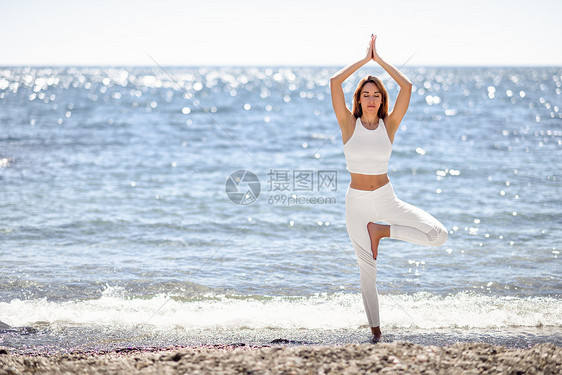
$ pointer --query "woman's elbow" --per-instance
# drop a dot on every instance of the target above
(407, 85)
(334, 81)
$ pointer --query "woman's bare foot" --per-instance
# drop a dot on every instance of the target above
(376, 232)
(376, 331)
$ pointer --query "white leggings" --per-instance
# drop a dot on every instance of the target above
(407, 223)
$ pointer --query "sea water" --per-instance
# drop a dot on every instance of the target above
(157, 206)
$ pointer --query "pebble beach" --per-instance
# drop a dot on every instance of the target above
(385, 358)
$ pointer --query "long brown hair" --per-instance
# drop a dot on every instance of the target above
(383, 109)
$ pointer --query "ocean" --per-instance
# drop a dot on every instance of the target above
(160, 206)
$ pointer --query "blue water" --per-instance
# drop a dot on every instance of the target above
(115, 215)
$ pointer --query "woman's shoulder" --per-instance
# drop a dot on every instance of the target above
(389, 120)
(349, 122)
(348, 128)
(389, 127)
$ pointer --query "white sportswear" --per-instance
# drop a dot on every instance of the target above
(368, 151)
(407, 223)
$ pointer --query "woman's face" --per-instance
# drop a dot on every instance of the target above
(370, 98)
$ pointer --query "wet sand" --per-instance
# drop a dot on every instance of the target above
(385, 358)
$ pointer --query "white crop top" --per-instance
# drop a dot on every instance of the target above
(368, 151)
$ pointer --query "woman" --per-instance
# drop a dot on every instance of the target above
(368, 134)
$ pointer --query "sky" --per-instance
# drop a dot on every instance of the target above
(288, 32)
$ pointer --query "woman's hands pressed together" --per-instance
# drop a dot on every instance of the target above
(374, 55)
(372, 50)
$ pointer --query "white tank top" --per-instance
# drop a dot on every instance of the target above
(368, 151)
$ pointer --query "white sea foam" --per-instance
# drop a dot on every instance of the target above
(323, 311)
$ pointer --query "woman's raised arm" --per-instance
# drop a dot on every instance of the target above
(338, 99)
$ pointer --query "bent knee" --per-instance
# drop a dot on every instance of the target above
(442, 238)
(437, 236)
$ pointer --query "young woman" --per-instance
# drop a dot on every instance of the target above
(368, 134)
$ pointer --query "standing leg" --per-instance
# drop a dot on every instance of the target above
(359, 212)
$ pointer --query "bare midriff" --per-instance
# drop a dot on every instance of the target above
(368, 182)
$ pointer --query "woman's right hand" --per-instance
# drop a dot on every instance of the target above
(369, 55)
